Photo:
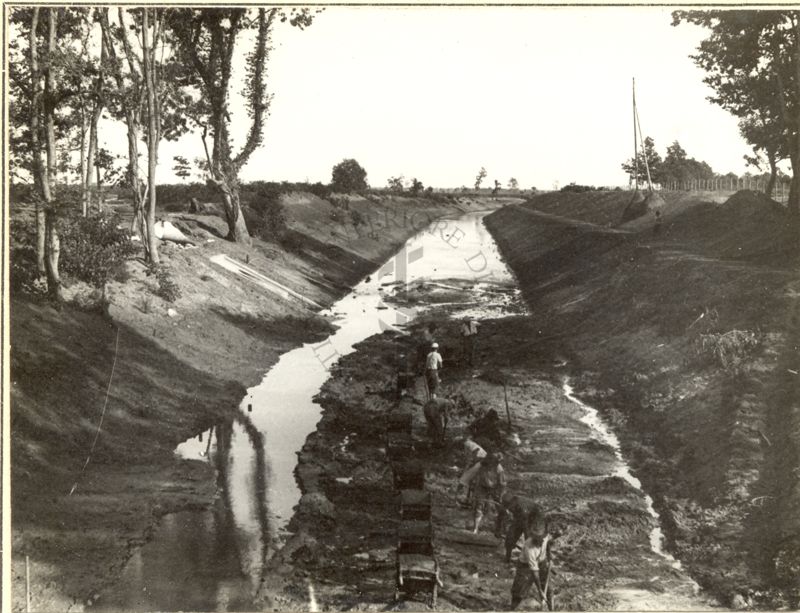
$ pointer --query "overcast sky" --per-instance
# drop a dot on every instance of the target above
(539, 94)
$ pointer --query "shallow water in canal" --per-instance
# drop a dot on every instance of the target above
(214, 560)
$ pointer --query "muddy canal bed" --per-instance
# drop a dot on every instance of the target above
(305, 515)
(346, 519)
(229, 548)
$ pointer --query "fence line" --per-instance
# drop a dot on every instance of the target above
(780, 191)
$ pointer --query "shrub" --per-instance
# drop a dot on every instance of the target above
(730, 350)
(23, 273)
(177, 196)
(167, 288)
(93, 247)
(267, 218)
(340, 202)
(573, 187)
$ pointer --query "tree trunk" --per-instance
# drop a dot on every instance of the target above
(237, 228)
(53, 252)
(152, 135)
(84, 164)
(39, 174)
(52, 243)
(97, 110)
(773, 174)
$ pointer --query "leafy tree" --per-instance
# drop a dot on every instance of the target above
(206, 39)
(45, 62)
(513, 183)
(145, 98)
(348, 176)
(649, 158)
(47, 77)
(766, 140)
(396, 184)
(416, 186)
(496, 187)
(678, 166)
(479, 179)
(182, 168)
(752, 62)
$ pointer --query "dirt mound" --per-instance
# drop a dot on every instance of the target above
(748, 225)
(628, 310)
(748, 203)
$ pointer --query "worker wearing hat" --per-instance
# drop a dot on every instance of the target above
(433, 363)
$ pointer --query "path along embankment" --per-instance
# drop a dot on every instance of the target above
(178, 367)
(685, 337)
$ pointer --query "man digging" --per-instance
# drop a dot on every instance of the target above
(520, 516)
(534, 562)
(437, 411)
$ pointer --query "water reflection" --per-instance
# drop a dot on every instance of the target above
(215, 560)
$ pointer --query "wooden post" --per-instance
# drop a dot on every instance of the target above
(505, 394)
(27, 585)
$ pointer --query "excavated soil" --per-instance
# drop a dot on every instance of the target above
(647, 317)
(342, 554)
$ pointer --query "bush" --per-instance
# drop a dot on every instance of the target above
(267, 215)
(255, 189)
(167, 288)
(93, 247)
(23, 273)
(340, 202)
(573, 187)
(730, 350)
(177, 196)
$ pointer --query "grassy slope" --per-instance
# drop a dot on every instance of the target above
(174, 375)
(625, 306)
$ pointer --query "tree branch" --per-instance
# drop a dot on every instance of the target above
(258, 102)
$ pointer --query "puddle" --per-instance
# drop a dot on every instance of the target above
(215, 560)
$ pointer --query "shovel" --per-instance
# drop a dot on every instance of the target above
(545, 605)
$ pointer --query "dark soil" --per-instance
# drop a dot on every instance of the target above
(343, 551)
(643, 316)
(178, 367)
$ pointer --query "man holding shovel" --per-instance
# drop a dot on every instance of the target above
(533, 564)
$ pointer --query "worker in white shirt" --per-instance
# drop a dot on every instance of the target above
(473, 454)
(433, 363)
(533, 563)
(469, 336)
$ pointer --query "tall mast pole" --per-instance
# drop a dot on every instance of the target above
(635, 140)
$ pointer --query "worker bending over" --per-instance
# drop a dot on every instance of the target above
(519, 516)
(437, 411)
